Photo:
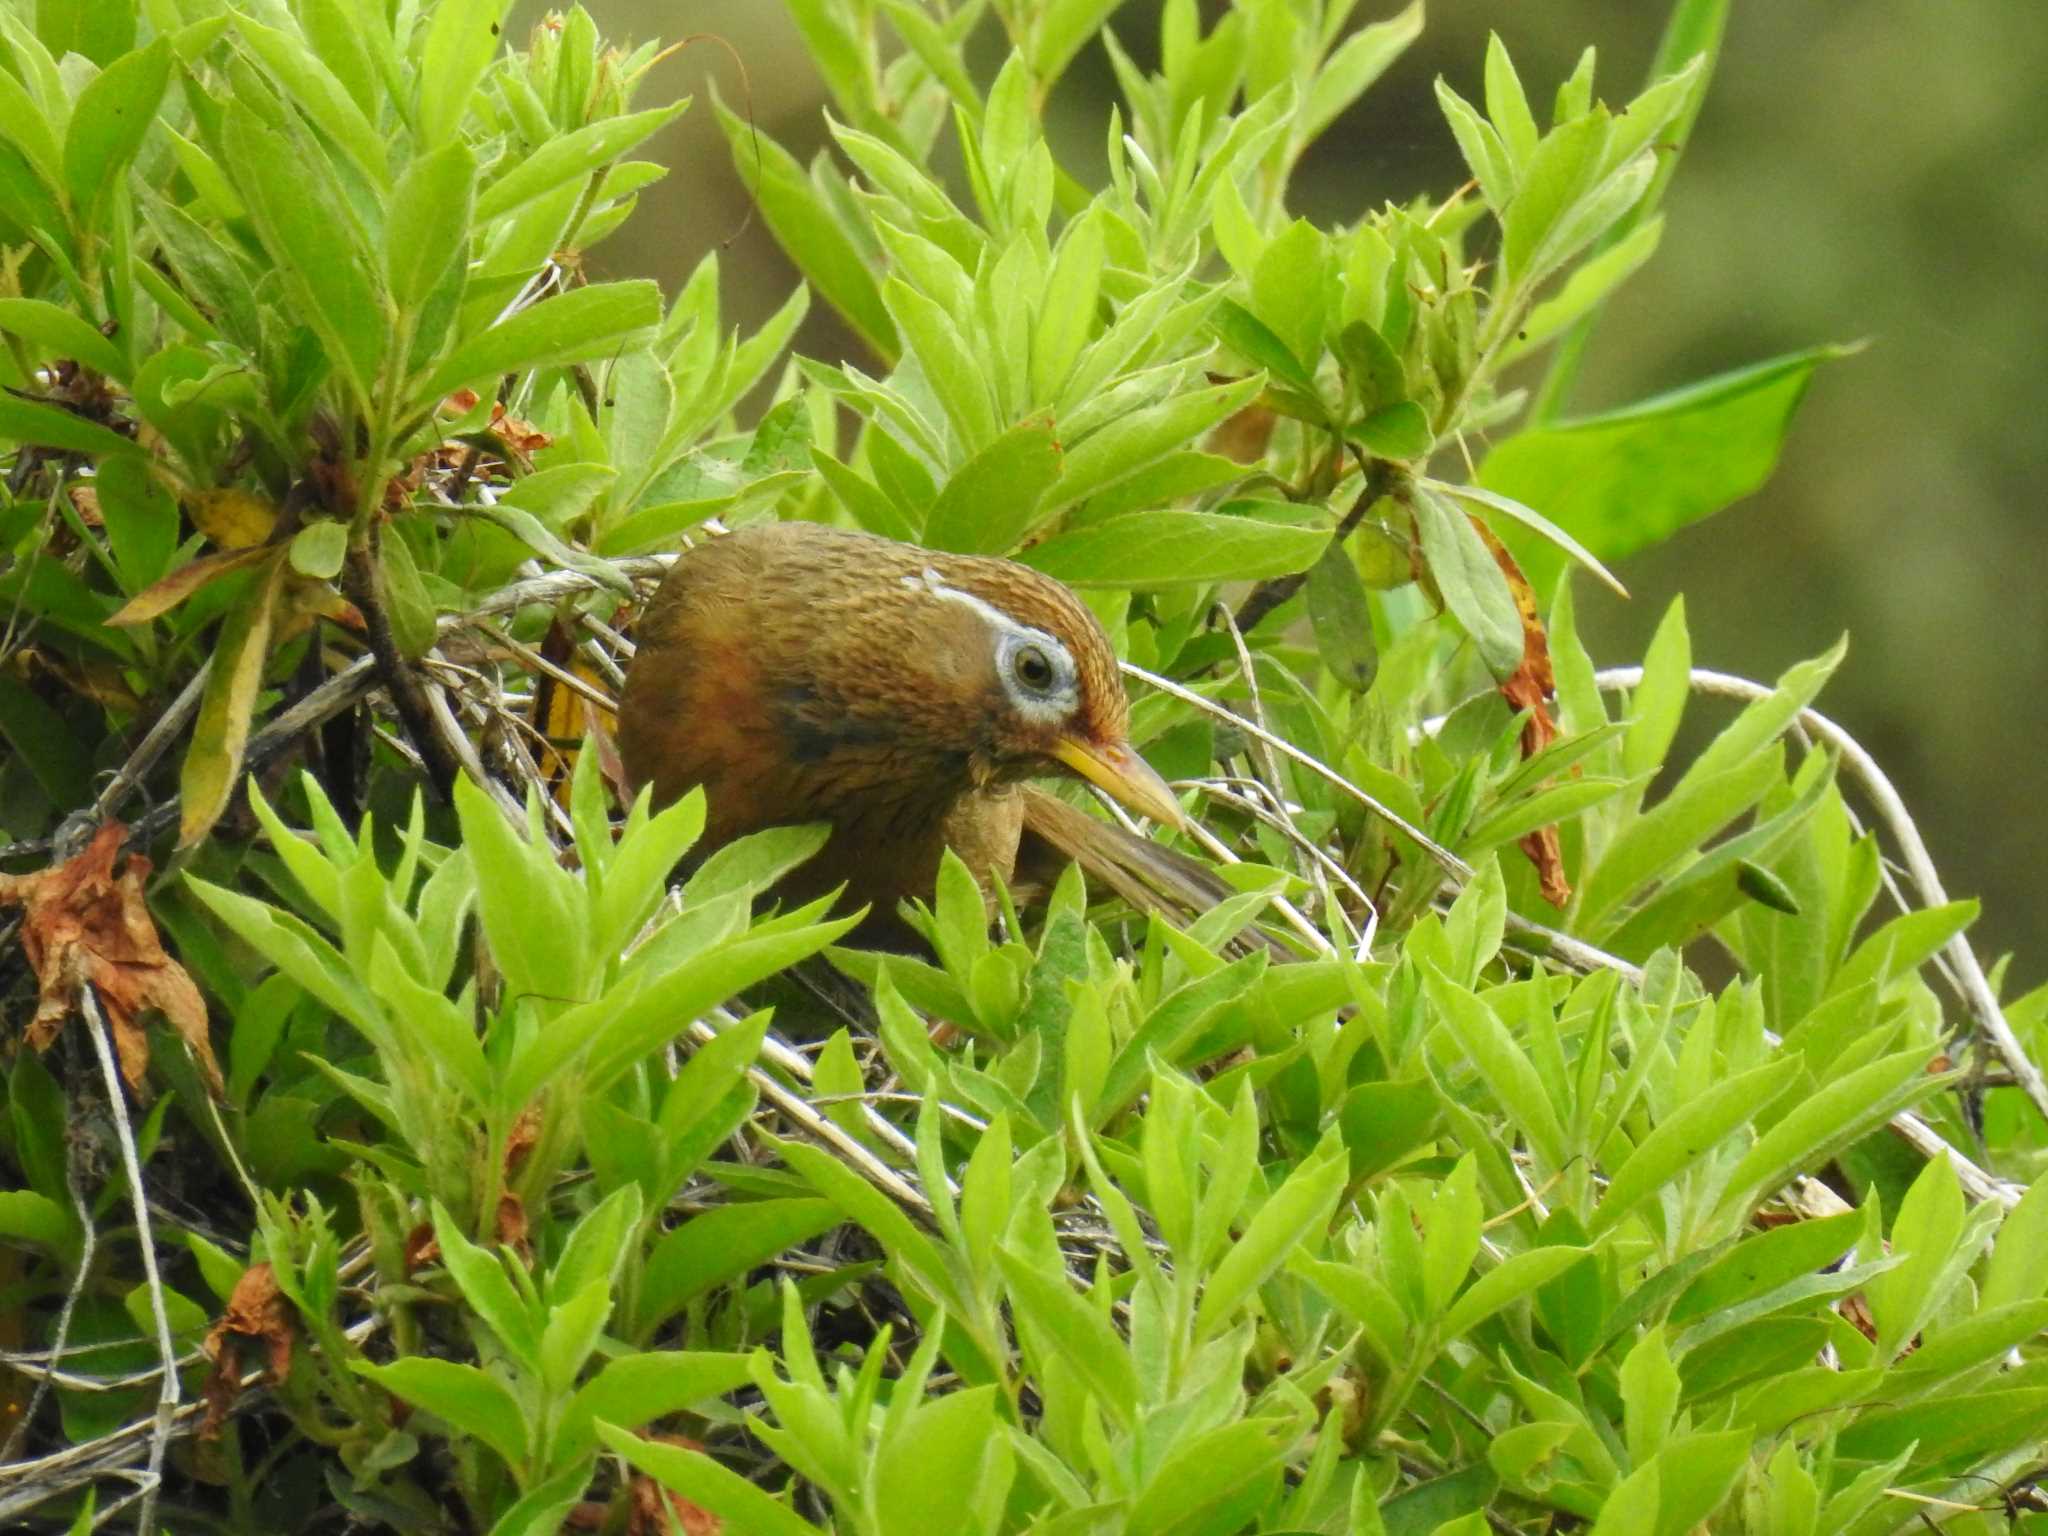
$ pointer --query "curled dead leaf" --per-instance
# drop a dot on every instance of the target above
(84, 924)
(257, 1318)
(1530, 686)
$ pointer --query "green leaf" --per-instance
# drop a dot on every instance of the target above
(1670, 833)
(1506, 104)
(583, 323)
(1660, 699)
(1585, 290)
(958, 376)
(1472, 583)
(945, 1460)
(1501, 1062)
(461, 1395)
(1761, 1263)
(535, 915)
(703, 1481)
(1649, 1394)
(1383, 1122)
(108, 122)
(616, 1036)
(1353, 66)
(64, 334)
(33, 1218)
(597, 1244)
(1481, 146)
(636, 1389)
(1292, 1219)
(318, 548)
(1162, 549)
(1925, 1235)
(43, 741)
(1828, 1119)
(315, 91)
(1128, 444)
(326, 276)
(1536, 523)
(480, 1276)
(1554, 179)
(1251, 339)
(571, 1333)
(2018, 1270)
(1375, 371)
(543, 1508)
(428, 230)
(808, 229)
(1063, 29)
(461, 38)
(1685, 1136)
(1396, 431)
(573, 154)
(1516, 1276)
(1629, 480)
(45, 426)
(1290, 290)
(1205, 1470)
(1341, 618)
(1066, 315)
(910, 1251)
(990, 502)
(720, 1245)
(1951, 1428)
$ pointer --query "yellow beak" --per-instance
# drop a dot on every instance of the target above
(1123, 774)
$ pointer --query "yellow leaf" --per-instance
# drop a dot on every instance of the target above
(214, 760)
(230, 518)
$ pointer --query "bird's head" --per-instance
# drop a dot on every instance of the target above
(1017, 663)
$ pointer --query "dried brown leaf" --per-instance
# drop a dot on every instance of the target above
(1530, 687)
(256, 1315)
(161, 596)
(83, 924)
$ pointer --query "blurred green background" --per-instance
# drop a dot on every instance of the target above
(1876, 170)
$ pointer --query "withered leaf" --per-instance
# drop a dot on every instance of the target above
(160, 597)
(1530, 686)
(256, 1314)
(213, 761)
(86, 925)
(230, 518)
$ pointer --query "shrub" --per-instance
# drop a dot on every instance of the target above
(1546, 1130)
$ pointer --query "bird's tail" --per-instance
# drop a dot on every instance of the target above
(1147, 875)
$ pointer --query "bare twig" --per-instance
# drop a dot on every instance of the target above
(164, 1423)
(1975, 986)
(1449, 860)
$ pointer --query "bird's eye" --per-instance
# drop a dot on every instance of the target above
(1033, 668)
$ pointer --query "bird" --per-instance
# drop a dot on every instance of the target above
(803, 672)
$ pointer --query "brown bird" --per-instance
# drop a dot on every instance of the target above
(805, 673)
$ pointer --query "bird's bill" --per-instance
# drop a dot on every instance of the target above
(1118, 770)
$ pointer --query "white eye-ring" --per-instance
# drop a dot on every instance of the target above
(1037, 672)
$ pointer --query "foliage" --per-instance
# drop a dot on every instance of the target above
(1465, 1168)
